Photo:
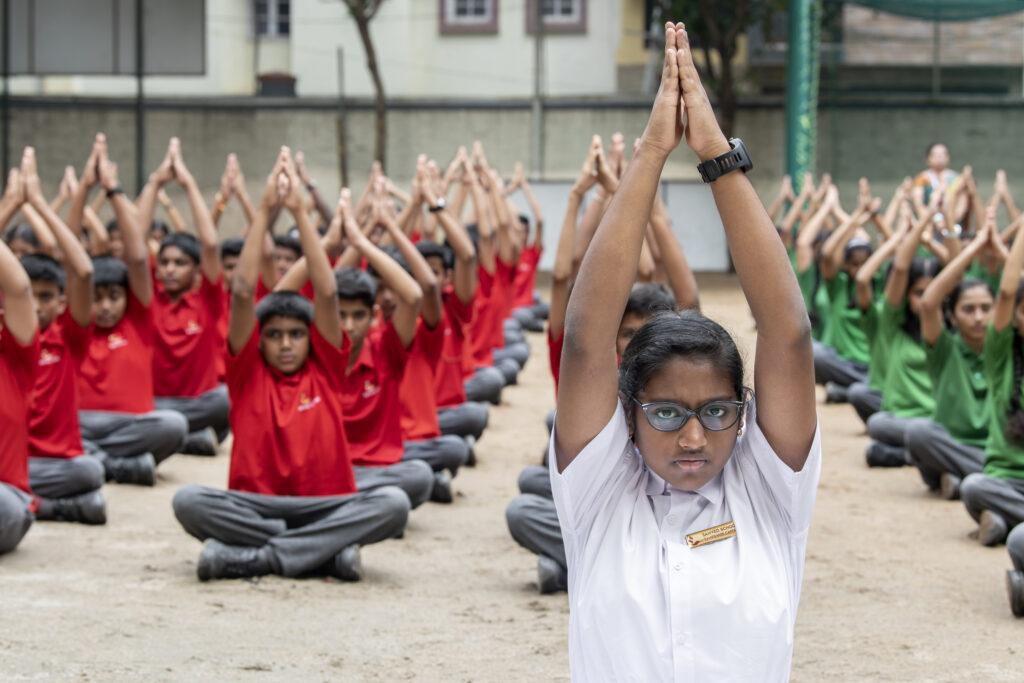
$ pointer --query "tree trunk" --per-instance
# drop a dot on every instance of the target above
(380, 146)
(726, 93)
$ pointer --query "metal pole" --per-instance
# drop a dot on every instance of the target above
(936, 56)
(342, 121)
(538, 102)
(5, 106)
(140, 108)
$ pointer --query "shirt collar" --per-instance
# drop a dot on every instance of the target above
(711, 491)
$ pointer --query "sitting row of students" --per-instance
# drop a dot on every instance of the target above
(344, 369)
(922, 335)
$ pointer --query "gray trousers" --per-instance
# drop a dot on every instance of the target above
(123, 435)
(518, 351)
(829, 366)
(889, 429)
(533, 523)
(206, 410)
(485, 385)
(466, 419)
(63, 478)
(1015, 546)
(535, 479)
(15, 517)
(981, 492)
(528, 319)
(414, 477)
(934, 451)
(865, 400)
(508, 368)
(303, 533)
(445, 452)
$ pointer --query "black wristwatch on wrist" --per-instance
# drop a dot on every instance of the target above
(441, 203)
(735, 159)
(114, 190)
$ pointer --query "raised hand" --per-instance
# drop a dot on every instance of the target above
(1001, 187)
(300, 168)
(30, 177)
(107, 168)
(703, 134)
(178, 166)
(617, 154)
(665, 126)
(787, 188)
(292, 198)
(14, 192)
(587, 178)
(277, 183)
(91, 171)
(164, 173)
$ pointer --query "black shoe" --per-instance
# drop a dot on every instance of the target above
(201, 443)
(471, 459)
(1015, 592)
(88, 508)
(835, 393)
(551, 578)
(880, 455)
(140, 469)
(347, 565)
(949, 486)
(991, 528)
(442, 491)
(221, 561)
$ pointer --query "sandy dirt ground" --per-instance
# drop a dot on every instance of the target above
(894, 589)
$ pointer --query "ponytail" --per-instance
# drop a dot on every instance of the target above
(1014, 431)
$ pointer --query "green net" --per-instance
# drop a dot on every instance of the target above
(945, 10)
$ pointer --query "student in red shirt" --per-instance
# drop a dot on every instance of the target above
(291, 507)
(116, 415)
(421, 434)
(19, 352)
(528, 309)
(188, 303)
(66, 482)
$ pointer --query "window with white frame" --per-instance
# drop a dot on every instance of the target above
(273, 18)
(469, 16)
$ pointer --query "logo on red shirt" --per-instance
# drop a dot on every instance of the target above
(116, 341)
(370, 389)
(48, 358)
(193, 328)
(307, 403)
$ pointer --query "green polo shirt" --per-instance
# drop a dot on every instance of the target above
(843, 329)
(815, 301)
(961, 390)
(1002, 458)
(907, 390)
(878, 364)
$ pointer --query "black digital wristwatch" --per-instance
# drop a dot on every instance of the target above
(735, 159)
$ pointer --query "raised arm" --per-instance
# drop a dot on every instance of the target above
(164, 173)
(1006, 299)
(307, 181)
(487, 251)
(136, 254)
(77, 263)
(896, 287)
(209, 258)
(832, 250)
(174, 216)
(465, 275)
(866, 273)
(430, 288)
(564, 268)
(409, 297)
(538, 216)
(680, 277)
(947, 279)
(19, 306)
(81, 214)
(40, 228)
(809, 231)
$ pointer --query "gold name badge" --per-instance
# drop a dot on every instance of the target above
(712, 535)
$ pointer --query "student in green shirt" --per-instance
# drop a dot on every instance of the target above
(806, 252)
(950, 445)
(841, 357)
(866, 397)
(907, 389)
(995, 497)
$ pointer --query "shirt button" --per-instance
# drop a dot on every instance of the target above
(671, 519)
(678, 566)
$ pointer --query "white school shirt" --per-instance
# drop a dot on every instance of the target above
(646, 607)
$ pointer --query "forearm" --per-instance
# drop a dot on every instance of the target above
(146, 203)
(76, 260)
(250, 262)
(680, 277)
(566, 239)
(47, 242)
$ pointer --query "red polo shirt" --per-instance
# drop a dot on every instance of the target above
(117, 372)
(188, 341)
(289, 429)
(370, 398)
(17, 368)
(456, 363)
(416, 392)
(526, 276)
(223, 323)
(502, 296)
(53, 409)
(481, 324)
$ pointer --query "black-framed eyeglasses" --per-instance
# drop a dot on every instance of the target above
(715, 416)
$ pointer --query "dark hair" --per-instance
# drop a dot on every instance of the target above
(159, 226)
(188, 244)
(686, 334)
(43, 268)
(23, 232)
(435, 250)
(474, 236)
(284, 305)
(964, 286)
(933, 146)
(525, 220)
(232, 246)
(108, 270)
(919, 268)
(649, 298)
(395, 255)
(112, 226)
(290, 243)
(854, 245)
(355, 285)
